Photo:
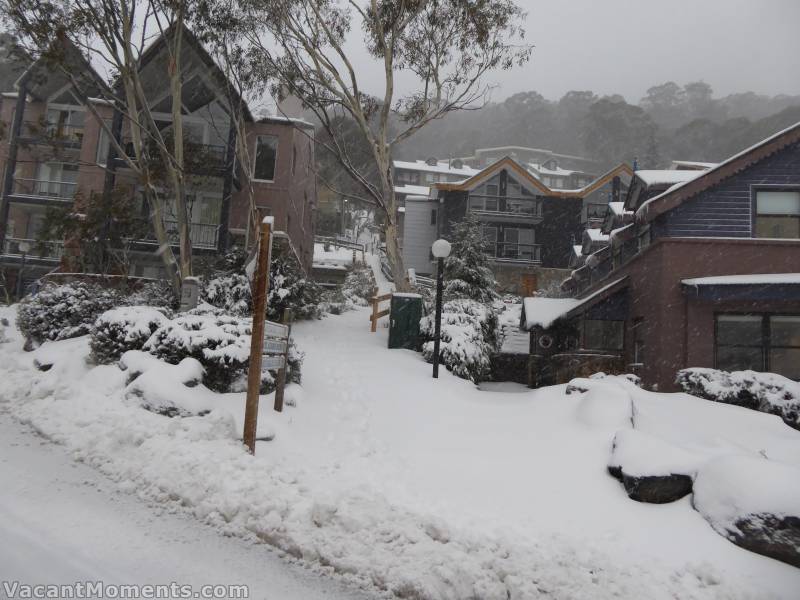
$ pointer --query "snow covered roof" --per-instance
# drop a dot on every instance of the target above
(666, 177)
(596, 234)
(558, 171)
(416, 190)
(578, 250)
(692, 164)
(442, 166)
(705, 179)
(543, 312)
(618, 208)
(753, 279)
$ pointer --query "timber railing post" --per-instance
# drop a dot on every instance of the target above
(287, 320)
(260, 288)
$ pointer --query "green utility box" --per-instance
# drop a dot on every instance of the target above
(405, 313)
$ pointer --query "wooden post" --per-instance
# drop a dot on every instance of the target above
(287, 316)
(260, 288)
(374, 325)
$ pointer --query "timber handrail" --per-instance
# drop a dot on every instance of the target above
(377, 314)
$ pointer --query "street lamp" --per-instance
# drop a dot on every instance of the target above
(440, 250)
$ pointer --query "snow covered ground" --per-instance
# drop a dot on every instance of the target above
(427, 488)
(63, 522)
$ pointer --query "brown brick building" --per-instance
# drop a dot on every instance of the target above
(706, 275)
(54, 153)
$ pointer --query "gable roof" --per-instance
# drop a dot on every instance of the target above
(509, 163)
(214, 70)
(681, 192)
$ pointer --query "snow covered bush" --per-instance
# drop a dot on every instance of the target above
(59, 312)
(231, 292)
(468, 338)
(290, 289)
(466, 270)
(765, 392)
(221, 343)
(121, 329)
(357, 289)
(153, 293)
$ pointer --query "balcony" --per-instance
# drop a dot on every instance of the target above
(20, 249)
(42, 189)
(204, 236)
(199, 159)
(505, 210)
(52, 134)
(516, 253)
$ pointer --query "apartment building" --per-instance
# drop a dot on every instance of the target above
(531, 228)
(56, 153)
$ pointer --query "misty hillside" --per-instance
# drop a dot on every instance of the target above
(670, 122)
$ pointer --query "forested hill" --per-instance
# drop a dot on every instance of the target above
(671, 122)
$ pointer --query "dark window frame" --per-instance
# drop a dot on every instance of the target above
(585, 346)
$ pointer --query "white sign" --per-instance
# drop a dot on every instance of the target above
(275, 329)
(271, 363)
(274, 347)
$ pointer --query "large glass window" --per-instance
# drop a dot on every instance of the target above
(603, 335)
(740, 342)
(760, 343)
(266, 157)
(777, 214)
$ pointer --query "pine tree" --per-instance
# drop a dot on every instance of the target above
(466, 270)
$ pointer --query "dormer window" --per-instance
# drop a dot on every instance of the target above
(777, 214)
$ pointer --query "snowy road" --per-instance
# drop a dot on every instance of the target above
(62, 522)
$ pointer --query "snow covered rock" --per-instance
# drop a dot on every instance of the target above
(651, 469)
(605, 405)
(159, 387)
(765, 392)
(121, 329)
(754, 502)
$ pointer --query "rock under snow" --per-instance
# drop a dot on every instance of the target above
(651, 469)
(754, 502)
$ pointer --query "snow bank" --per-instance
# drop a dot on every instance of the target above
(639, 454)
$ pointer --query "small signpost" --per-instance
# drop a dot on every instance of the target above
(269, 345)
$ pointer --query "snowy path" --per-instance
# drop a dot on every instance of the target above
(63, 522)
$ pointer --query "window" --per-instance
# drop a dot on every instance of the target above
(294, 159)
(266, 157)
(433, 216)
(759, 342)
(103, 146)
(603, 335)
(777, 214)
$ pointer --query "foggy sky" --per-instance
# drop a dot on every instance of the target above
(626, 46)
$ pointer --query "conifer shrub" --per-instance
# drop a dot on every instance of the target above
(59, 312)
(121, 329)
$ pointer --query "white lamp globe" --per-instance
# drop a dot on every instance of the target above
(441, 249)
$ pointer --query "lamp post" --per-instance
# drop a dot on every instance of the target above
(440, 250)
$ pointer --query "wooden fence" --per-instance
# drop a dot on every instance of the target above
(376, 313)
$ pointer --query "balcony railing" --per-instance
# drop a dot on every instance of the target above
(514, 207)
(511, 252)
(53, 133)
(201, 159)
(42, 188)
(203, 235)
(33, 248)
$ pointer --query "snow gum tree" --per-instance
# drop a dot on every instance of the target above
(309, 49)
